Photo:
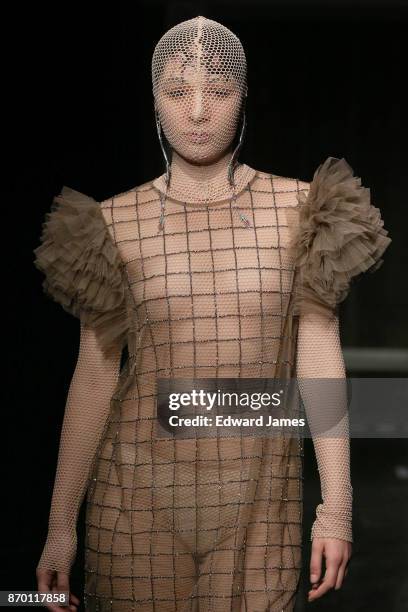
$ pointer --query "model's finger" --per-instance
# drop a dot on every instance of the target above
(62, 582)
(75, 599)
(63, 586)
(329, 580)
(43, 588)
(44, 584)
(340, 575)
(316, 562)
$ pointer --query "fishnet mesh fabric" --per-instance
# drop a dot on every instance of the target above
(319, 355)
(194, 524)
(86, 413)
(200, 524)
(199, 88)
(209, 524)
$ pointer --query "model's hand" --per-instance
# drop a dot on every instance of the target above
(337, 554)
(51, 581)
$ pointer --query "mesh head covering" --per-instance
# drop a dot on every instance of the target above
(199, 79)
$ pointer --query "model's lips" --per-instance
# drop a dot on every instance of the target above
(198, 136)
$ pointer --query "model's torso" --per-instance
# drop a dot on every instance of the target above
(209, 296)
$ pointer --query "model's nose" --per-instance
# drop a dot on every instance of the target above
(199, 107)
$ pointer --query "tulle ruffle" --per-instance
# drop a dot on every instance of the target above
(340, 236)
(82, 266)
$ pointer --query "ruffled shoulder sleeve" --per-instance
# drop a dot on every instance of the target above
(82, 266)
(340, 235)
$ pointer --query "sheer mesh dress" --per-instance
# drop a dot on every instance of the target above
(199, 524)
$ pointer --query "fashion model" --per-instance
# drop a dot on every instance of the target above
(212, 270)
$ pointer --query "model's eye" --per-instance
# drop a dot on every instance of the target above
(222, 93)
(175, 93)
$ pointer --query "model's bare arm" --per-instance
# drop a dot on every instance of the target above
(319, 356)
(86, 414)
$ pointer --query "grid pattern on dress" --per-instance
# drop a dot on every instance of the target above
(208, 524)
(199, 515)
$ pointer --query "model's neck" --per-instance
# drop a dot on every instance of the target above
(205, 182)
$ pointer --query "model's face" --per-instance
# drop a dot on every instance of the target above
(198, 110)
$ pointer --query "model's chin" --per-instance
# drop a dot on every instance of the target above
(200, 155)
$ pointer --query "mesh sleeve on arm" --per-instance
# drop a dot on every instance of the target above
(86, 414)
(83, 272)
(340, 236)
(319, 356)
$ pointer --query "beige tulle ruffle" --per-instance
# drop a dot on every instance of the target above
(82, 266)
(340, 236)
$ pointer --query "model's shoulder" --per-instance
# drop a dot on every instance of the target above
(136, 194)
(284, 188)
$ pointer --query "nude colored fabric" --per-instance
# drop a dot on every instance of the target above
(199, 524)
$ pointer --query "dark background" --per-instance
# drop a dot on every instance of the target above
(325, 78)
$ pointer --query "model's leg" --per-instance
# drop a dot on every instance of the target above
(145, 572)
(135, 562)
(273, 543)
(213, 518)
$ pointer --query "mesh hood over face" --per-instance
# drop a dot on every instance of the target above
(199, 88)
